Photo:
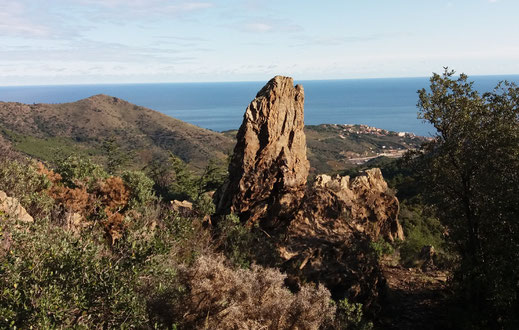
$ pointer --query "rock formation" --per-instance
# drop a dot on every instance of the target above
(370, 206)
(328, 240)
(268, 170)
(324, 233)
(11, 208)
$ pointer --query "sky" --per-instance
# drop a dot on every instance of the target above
(143, 41)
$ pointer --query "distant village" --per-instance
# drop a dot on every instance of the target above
(355, 158)
(365, 129)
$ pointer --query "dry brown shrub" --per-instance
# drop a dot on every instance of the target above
(113, 193)
(220, 297)
(114, 225)
(73, 200)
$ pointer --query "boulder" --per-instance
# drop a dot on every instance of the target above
(12, 209)
(371, 207)
(269, 168)
(184, 208)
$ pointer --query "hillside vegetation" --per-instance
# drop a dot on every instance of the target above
(46, 131)
(41, 130)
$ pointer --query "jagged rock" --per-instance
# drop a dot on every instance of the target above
(323, 244)
(323, 234)
(328, 240)
(269, 168)
(184, 208)
(371, 208)
(12, 208)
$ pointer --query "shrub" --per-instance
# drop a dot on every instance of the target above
(50, 279)
(381, 247)
(76, 171)
(350, 316)
(141, 188)
(219, 297)
(236, 241)
(421, 228)
(23, 181)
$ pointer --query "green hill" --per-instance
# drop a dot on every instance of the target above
(41, 130)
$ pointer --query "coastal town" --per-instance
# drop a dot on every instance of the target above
(351, 144)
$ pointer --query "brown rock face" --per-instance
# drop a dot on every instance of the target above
(268, 171)
(328, 240)
(371, 208)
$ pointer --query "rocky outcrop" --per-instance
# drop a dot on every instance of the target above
(372, 209)
(269, 168)
(323, 233)
(328, 240)
(11, 208)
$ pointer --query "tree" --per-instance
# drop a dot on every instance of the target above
(472, 173)
(116, 158)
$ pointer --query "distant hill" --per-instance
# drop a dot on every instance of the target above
(82, 126)
(334, 147)
(45, 130)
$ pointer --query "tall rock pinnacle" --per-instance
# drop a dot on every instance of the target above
(269, 168)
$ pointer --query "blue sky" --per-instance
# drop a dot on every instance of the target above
(131, 41)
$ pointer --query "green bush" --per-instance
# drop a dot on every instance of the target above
(50, 279)
(237, 241)
(350, 316)
(75, 170)
(22, 181)
(421, 228)
(141, 188)
(381, 247)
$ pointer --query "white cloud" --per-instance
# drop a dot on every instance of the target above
(150, 6)
(258, 27)
(15, 21)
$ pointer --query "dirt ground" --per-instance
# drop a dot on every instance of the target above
(414, 299)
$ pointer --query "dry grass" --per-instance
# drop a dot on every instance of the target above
(224, 298)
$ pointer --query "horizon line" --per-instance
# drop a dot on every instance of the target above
(241, 81)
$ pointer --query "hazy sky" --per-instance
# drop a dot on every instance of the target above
(105, 41)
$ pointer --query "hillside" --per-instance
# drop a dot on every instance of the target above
(41, 129)
(333, 147)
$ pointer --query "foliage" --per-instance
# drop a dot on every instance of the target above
(116, 158)
(183, 185)
(421, 228)
(471, 169)
(219, 297)
(141, 188)
(22, 180)
(48, 149)
(237, 241)
(50, 279)
(212, 178)
(175, 181)
(350, 316)
(75, 170)
(381, 247)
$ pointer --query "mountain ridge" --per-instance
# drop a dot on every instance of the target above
(100, 117)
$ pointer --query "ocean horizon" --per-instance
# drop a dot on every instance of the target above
(387, 103)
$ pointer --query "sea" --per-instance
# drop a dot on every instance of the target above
(387, 103)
